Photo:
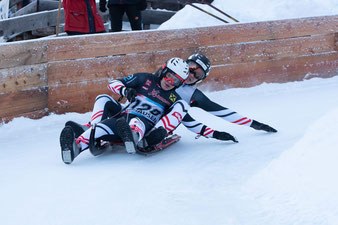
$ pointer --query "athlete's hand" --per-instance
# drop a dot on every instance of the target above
(261, 126)
(224, 136)
(130, 94)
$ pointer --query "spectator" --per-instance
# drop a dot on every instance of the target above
(81, 17)
(117, 8)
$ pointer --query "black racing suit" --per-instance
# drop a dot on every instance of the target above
(195, 98)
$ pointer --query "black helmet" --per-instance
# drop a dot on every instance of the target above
(202, 61)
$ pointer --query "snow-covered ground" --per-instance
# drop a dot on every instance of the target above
(280, 179)
(283, 178)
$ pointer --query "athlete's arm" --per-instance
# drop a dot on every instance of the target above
(198, 99)
(205, 131)
(201, 101)
(125, 86)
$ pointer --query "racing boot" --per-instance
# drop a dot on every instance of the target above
(69, 148)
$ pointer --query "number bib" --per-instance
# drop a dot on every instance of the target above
(145, 107)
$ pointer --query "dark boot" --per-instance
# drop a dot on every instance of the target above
(124, 131)
(69, 149)
(77, 128)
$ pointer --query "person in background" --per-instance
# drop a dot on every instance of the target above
(117, 8)
(82, 17)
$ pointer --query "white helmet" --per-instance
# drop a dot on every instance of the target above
(178, 66)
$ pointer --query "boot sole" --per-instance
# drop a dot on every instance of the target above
(66, 142)
(124, 131)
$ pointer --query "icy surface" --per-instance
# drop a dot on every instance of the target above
(280, 179)
(283, 178)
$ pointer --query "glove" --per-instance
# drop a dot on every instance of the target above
(130, 94)
(103, 6)
(224, 136)
(261, 126)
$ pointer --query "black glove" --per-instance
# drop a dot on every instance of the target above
(130, 94)
(103, 5)
(224, 136)
(261, 126)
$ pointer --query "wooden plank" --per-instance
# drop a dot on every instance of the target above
(147, 41)
(104, 68)
(25, 101)
(23, 53)
(241, 75)
(271, 49)
(79, 96)
(134, 42)
(23, 77)
(75, 97)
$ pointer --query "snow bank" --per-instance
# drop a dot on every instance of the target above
(250, 11)
(301, 186)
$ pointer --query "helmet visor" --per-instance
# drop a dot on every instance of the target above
(173, 78)
(196, 71)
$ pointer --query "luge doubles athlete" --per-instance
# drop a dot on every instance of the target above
(199, 68)
(150, 96)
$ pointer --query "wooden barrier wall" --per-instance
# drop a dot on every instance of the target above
(65, 74)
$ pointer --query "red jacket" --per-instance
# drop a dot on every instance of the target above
(76, 16)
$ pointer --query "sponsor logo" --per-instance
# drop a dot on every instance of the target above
(148, 83)
(178, 116)
(155, 94)
(129, 77)
(172, 97)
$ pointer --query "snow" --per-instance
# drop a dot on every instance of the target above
(301, 178)
(250, 11)
(282, 178)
